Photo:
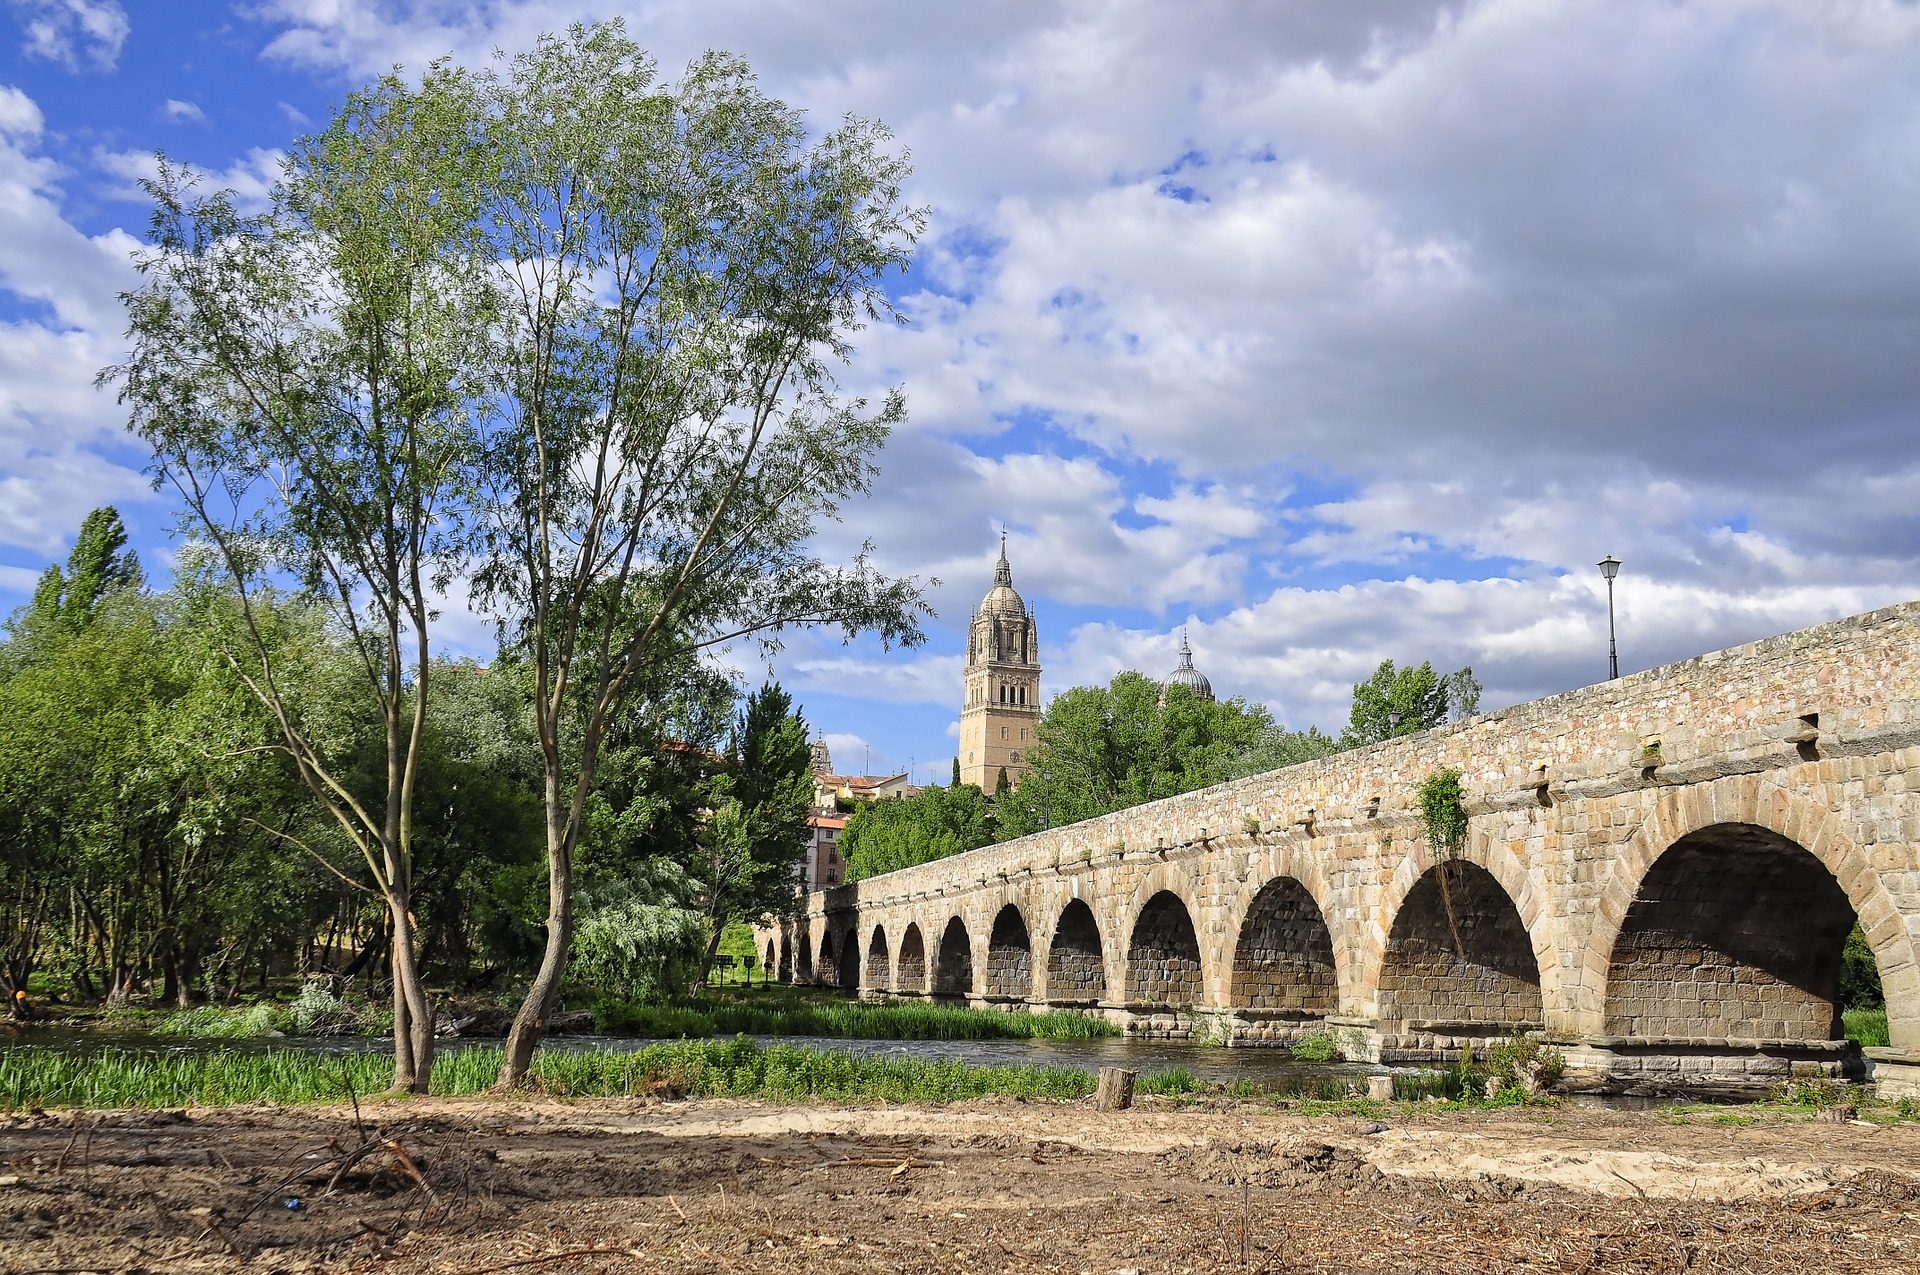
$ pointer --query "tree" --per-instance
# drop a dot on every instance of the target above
(1105, 748)
(683, 269)
(899, 832)
(955, 782)
(1395, 702)
(306, 379)
(758, 830)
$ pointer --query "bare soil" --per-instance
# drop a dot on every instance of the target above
(482, 1185)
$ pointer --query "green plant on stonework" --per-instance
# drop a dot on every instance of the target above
(1512, 1059)
(1443, 820)
(1317, 1047)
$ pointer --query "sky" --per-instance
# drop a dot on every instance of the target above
(1327, 333)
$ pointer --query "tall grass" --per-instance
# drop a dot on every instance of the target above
(113, 1078)
(1868, 1027)
(847, 1020)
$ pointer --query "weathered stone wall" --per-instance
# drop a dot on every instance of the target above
(879, 971)
(1812, 737)
(912, 973)
(1076, 967)
(1459, 958)
(953, 970)
(1163, 960)
(1737, 933)
(1009, 956)
(1284, 958)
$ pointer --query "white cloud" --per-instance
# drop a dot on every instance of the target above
(251, 178)
(71, 32)
(177, 111)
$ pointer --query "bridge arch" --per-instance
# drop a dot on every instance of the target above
(1283, 954)
(953, 963)
(1009, 955)
(1164, 969)
(826, 967)
(1760, 820)
(910, 967)
(879, 972)
(1076, 958)
(1459, 957)
(1523, 891)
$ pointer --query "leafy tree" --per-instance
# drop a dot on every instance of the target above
(306, 380)
(899, 832)
(758, 830)
(1104, 748)
(682, 268)
(1395, 702)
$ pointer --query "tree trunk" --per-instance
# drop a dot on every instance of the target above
(412, 1007)
(531, 1022)
(1115, 1092)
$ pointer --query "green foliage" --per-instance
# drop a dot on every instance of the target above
(1395, 702)
(1513, 1058)
(899, 832)
(1317, 1047)
(624, 944)
(736, 1068)
(1866, 1027)
(1173, 1083)
(212, 1022)
(1859, 973)
(1443, 814)
(1104, 748)
(707, 1017)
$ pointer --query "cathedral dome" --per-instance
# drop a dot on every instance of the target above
(1190, 677)
(1002, 599)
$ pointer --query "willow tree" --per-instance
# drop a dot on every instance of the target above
(684, 268)
(304, 377)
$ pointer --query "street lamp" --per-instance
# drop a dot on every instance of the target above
(1610, 567)
(1046, 800)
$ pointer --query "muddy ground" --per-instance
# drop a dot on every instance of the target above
(998, 1185)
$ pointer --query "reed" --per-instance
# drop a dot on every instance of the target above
(849, 1021)
(115, 1078)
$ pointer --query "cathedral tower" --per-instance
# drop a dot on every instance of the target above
(1002, 709)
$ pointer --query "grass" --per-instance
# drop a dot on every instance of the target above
(112, 1078)
(1866, 1026)
(806, 1016)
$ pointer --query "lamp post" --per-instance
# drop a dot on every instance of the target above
(1046, 800)
(1610, 567)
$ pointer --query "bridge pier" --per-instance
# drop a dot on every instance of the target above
(1659, 876)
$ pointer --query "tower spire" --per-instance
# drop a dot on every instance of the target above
(1003, 571)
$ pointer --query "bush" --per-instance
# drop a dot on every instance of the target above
(210, 1022)
(1512, 1059)
(1317, 1047)
(1859, 974)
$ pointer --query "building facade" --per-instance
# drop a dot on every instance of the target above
(999, 720)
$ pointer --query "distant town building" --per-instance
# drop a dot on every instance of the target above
(834, 795)
(1001, 713)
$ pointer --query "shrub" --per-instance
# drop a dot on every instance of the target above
(1513, 1058)
(1317, 1047)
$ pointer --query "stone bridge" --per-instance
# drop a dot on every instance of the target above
(1660, 873)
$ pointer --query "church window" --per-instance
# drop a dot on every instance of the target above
(1003, 732)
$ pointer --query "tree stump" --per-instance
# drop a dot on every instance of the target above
(1116, 1089)
(1380, 1088)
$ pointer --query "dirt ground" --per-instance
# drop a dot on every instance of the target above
(476, 1186)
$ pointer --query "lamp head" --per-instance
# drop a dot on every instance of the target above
(1609, 566)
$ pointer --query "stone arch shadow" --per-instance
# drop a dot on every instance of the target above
(1812, 880)
(953, 961)
(1458, 962)
(910, 965)
(1284, 967)
(1009, 955)
(878, 975)
(1163, 963)
(1076, 964)
(1518, 889)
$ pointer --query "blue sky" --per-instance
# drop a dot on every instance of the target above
(1333, 332)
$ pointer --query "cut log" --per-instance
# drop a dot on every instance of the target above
(1380, 1088)
(1116, 1089)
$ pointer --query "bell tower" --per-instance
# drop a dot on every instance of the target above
(1002, 711)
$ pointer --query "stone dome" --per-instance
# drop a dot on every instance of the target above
(1002, 599)
(1188, 676)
